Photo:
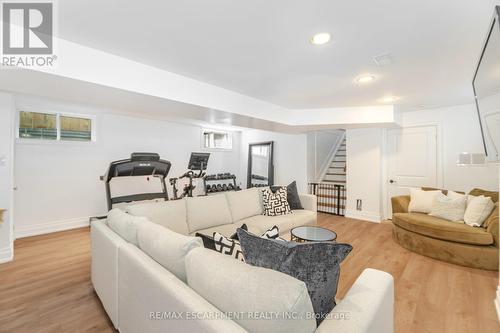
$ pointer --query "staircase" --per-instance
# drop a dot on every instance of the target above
(336, 173)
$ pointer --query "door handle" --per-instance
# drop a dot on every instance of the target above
(392, 181)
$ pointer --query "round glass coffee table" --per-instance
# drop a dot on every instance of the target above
(312, 234)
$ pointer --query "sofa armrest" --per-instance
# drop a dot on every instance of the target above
(367, 307)
(308, 201)
(400, 204)
(492, 225)
(105, 244)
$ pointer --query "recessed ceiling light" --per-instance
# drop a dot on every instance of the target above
(320, 39)
(389, 99)
(365, 78)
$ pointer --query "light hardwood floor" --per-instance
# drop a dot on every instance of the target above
(47, 287)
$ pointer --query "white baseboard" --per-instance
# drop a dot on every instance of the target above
(48, 227)
(6, 255)
(365, 216)
(497, 302)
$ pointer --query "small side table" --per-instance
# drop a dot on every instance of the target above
(312, 234)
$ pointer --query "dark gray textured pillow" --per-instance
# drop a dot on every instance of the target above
(317, 264)
(292, 195)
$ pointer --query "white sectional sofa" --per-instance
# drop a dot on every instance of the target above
(144, 273)
(224, 213)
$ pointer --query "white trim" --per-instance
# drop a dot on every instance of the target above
(6, 254)
(497, 302)
(49, 227)
(365, 216)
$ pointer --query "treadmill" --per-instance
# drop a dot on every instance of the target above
(138, 178)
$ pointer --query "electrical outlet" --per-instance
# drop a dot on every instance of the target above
(359, 204)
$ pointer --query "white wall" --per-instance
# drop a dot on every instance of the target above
(459, 132)
(364, 173)
(289, 156)
(6, 175)
(58, 182)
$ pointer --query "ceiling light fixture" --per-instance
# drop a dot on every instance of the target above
(365, 78)
(320, 39)
(389, 99)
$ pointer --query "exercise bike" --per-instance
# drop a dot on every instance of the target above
(198, 161)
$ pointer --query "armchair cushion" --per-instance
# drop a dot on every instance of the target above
(434, 227)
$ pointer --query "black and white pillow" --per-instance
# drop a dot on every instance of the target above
(275, 203)
(272, 233)
(292, 195)
(232, 247)
(228, 246)
(208, 241)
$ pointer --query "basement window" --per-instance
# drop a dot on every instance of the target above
(216, 139)
(55, 127)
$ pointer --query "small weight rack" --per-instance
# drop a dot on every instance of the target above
(221, 182)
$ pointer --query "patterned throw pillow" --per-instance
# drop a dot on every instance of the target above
(228, 246)
(208, 241)
(231, 246)
(275, 203)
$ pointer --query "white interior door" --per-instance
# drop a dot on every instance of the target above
(412, 160)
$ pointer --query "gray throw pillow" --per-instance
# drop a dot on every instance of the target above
(314, 263)
(292, 195)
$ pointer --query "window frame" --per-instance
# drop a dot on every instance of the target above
(58, 114)
(202, 138)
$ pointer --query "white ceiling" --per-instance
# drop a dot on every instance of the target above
(260, 48)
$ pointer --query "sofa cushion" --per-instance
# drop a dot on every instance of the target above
(422, 201)
(478, 210)
(170, 214)
(206, 212)
(441, 229)
(235, 287)
(447, 208)
(259, 224)
(315, 263)
(244, 203)
(125, 225)
(166, 247)
(492, 194)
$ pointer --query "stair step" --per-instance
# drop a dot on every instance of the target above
(335, 181)
(335, 174)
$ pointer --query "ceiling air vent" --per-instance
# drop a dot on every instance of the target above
(383, 60)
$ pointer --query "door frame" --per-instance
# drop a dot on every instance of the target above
(385, 165)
